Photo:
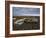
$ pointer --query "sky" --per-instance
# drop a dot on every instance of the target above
(23, 11)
